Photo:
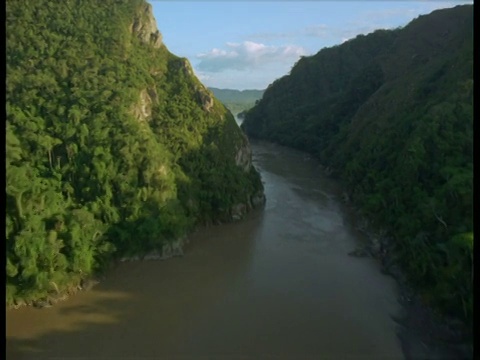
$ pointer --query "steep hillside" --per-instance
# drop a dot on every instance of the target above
(392, 114)
(237, 100)
(113, 146)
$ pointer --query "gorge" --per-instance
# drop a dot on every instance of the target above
(115, 151)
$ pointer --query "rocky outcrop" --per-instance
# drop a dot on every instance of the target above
(258, 199)
(203, 96)
(243, 159)
(238, 211)
(205, 99)
(144, 27)
(58, 296)
(169, 250)
(186, 67)
(183, 65)
(243, 156)
(142, 111)
(172, 249)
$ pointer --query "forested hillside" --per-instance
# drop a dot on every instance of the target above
(391, 113)
(237, 100)
(113, 146)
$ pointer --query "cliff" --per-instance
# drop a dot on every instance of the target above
(113, 146)
(391, 114)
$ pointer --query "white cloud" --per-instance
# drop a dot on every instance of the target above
(256, 63)
(247, 55)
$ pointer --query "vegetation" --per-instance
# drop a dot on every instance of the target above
(113, 147)
(237, 101)
(392, 114)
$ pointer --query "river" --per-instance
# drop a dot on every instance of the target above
(277, 285)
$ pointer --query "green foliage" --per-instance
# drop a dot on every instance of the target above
(108, 144)
(392, 114)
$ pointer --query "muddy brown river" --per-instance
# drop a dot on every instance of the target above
(277, 285)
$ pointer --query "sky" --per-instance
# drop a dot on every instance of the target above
(248, 44)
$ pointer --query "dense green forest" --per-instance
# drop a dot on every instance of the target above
(113, 146)
(391, 114)
(237, 101)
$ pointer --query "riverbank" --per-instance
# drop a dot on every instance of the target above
(424, 333)
(277, 284)
(169, 250)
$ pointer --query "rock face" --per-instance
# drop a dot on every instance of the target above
(205, 99)
(143, 109)
(172, 249)
(145, 27)
(186, 67)
(243, 157)
(169, 250)
(238, 211)
(258, 199)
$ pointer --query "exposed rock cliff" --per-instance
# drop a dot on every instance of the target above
(144, 26)
(243, 157)
(143, 109)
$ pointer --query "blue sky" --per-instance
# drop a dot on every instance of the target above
(248, 44)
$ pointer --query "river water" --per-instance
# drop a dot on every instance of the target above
(277, 285)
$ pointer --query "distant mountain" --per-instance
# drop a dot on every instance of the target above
(237, 100)
(391, 113)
